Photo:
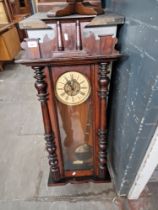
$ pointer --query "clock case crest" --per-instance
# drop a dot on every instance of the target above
(76, 136)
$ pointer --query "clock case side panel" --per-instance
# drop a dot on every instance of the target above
(96, 105)
(100, 116)
(53, 117)
(49, 136)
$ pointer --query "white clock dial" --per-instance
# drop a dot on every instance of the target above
(72, 88)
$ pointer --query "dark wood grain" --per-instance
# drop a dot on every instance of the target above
(53, 116)
(59, 37)
(41, 87)
(107, 44)
(69, 40)
(78, 36)
(75, 7)
(102, 132)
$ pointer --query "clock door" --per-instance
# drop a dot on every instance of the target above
(73, 90)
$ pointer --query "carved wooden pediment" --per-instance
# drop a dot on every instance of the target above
(70, 6)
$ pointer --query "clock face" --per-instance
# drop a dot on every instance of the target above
(72, 88)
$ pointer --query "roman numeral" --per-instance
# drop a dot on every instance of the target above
(62, 83)
(82, 82)
(62, 94)
(66, 98)
(82, 93)
(72, 76)
(77, 77)
(66, 79)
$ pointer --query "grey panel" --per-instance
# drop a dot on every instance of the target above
(134, 98)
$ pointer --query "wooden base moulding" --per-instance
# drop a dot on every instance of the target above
(78, 180)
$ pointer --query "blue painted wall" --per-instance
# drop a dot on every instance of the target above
(134, 100)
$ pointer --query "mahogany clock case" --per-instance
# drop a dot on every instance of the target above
(75, 131)
(65, 125)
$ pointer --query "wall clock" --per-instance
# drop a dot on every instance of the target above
(71, 58)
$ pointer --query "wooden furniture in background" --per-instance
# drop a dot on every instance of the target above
(9, 32)
(5, 12)
(9, 44)
(21, 7)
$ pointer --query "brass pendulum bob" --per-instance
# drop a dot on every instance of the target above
(83, 152)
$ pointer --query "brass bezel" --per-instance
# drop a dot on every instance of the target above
(69, 103)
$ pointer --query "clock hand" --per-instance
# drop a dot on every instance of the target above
(71, 82)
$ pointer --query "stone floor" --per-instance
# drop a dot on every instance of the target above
(23, 163)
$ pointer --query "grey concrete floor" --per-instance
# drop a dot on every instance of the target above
(23, 164)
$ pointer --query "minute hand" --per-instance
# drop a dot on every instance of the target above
(72, 84)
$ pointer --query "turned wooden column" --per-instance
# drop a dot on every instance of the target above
(60, 41)
(102, 132)
(78, 36)
(41, 87)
